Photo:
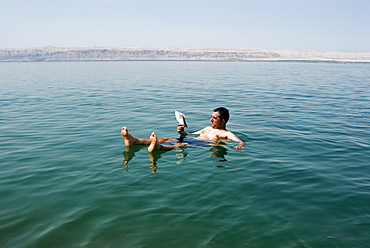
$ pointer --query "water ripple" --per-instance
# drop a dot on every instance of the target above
(67, 180)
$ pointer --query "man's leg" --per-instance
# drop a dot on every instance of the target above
(155, 146)
(131, 140)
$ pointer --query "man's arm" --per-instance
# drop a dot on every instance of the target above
(181, 131)
(236, 139)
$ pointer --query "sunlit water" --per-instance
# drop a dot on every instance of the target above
(67, 180)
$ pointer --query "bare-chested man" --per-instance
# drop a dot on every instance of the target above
(213, 133)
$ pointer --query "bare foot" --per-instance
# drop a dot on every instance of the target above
(131, 140)
(124, 131)
(154, 146)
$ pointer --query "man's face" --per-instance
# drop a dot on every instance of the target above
(216, 122)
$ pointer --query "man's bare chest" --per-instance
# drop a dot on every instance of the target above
(214, 134)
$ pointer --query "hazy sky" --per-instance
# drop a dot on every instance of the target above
(341, 25)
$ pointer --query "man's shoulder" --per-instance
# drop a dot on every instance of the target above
(209, 128)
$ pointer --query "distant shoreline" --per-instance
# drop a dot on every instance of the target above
(120, 53)
(200, 61)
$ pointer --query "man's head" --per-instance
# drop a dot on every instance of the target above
(220, 117)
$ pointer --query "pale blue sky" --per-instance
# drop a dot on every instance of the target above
(323, 25)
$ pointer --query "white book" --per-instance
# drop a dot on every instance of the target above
(180, 117)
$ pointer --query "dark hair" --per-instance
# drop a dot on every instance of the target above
(224, 113)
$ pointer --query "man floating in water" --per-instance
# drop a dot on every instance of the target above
(217, 131)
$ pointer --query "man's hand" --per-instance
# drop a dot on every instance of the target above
(180, 130)
(240, 146)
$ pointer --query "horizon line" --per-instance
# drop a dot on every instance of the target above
(175, 47)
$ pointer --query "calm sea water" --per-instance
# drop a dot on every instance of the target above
(67, 179)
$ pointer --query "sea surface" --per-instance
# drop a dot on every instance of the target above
(67, 179)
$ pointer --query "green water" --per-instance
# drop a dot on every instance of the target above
(67, 179)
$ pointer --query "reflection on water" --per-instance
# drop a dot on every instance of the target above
(129, 152)
(154, 156)
(218, 150)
